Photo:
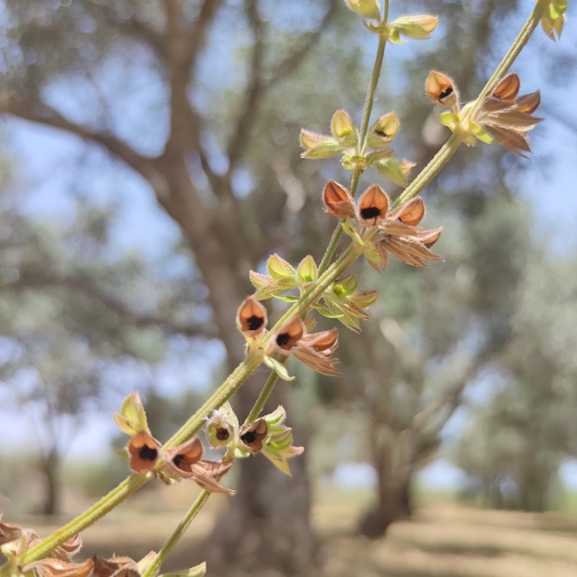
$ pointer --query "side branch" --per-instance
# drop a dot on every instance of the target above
(34, 110)
(134, 318)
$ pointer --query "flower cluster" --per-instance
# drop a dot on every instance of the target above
(501, 117)
(268, 435)
(381, 231)
(375, 152)
(292, 338)
(144, 452)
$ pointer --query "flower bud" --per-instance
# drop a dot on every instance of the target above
(365, 8)
(416, 27)
(346, 286)
(364, 299)
(343, 129)
(279, 268)
(132, 417)
(441, 89)
(307, 270)
(383, 131)
(337, 200)
(56, 568)
(311, 139)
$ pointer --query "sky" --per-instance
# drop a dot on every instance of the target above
(547, 181)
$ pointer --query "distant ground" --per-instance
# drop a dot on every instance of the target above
(444, 539)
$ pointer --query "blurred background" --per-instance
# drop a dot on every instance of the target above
(149, 159)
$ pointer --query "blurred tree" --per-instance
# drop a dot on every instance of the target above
(516, 443)
(62, 347)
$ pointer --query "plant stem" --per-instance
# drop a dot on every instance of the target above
(366, 118)
(370, 98)
(265, 393)
(515, 49)
(101, 508)
(153, 569)
(431, 170)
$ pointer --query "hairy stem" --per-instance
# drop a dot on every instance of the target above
(176, 535)
(104, 506)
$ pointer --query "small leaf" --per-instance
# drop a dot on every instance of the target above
(307, 270)
(197, 571)
(365, 8)
(391, 168)
(278, 368)
(279, 268)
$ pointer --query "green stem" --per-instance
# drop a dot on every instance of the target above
(370, 98)
(216, 400)
(518, 45)
(431, 170)
(265, 393)
(154, 568)
(358, 170)
(101, 508)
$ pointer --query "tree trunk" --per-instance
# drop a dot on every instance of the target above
(393, 503)
(50, 467)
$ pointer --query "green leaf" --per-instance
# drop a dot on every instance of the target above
(197, 571)
(391, 168)
(327, 149)
(278, 368)
(307, 270)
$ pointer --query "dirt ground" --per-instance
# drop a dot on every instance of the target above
(444, 539)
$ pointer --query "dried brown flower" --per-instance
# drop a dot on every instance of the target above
(402, 237)
(506, 117)
(251, 317)
(181, 459)
(372, 206)
(337, 200)
(144, 451)
(253, 434)
(314, 350)
(57, 568)
(9, 532)
(441, 89)
(115, 566)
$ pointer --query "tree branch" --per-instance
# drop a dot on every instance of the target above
(120, 309)
(34, 110)
(258, 86)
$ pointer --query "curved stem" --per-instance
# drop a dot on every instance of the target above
(515, 49)
(431, 170)
(101, 508)
(265, 393)
(176, 535)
